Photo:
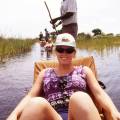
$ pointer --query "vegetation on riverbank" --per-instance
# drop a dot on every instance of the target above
(12, 47)
(98, 43)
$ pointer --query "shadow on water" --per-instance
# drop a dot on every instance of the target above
(16, 75)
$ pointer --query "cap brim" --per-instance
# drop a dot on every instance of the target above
(64, 44)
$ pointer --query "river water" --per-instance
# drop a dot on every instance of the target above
(16, 75)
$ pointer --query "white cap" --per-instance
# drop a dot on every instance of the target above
(65, 39)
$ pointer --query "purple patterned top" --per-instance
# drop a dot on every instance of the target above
(58, 89)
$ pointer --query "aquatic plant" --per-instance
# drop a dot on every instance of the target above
(11, 47)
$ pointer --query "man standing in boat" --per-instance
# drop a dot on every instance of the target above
(47, 35)
(68, 17)
(40, 36)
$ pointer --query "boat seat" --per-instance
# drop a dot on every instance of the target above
(86, 61)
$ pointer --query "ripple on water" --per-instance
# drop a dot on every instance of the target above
(16, 76)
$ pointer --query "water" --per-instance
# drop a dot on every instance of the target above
(16, 75)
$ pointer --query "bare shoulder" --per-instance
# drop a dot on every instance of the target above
(87, 69)
(89, 73)
(42, 73)
(91, 79)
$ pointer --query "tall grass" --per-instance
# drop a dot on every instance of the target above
(99, 43)
(11, 47)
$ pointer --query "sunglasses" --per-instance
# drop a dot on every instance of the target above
(68, 50)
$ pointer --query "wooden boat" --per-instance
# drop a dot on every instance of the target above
(87, 61)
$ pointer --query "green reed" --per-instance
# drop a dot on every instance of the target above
(99, 43)
(12, 47)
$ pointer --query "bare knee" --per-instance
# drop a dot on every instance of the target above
(82, 107)
(81, 96)
(35, 107)
(39, 101)
(81, 101)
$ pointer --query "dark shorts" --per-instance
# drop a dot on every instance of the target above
(71, 29)
(63, 113)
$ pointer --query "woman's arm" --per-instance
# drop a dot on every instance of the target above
(34, 92)
(100, 95)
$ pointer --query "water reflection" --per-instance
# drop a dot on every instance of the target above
(44, 54)
(49, 55)
(102, 51)
(102, 45)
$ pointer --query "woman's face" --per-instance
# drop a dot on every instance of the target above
(65, 54)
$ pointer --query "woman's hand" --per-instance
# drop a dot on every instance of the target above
(115, 116)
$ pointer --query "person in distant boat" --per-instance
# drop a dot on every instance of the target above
(47, 35)
(65, 90)
(49, 45)
(42, 42)
(68, 17)
(40, 36)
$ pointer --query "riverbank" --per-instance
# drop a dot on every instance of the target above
(11, 47)
(14, 46)
(98, 42)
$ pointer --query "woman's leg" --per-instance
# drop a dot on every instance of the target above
(81, 107)
(39, 109)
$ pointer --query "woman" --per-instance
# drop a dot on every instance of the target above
(65, 91)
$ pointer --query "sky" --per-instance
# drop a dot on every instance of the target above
(27, 18)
